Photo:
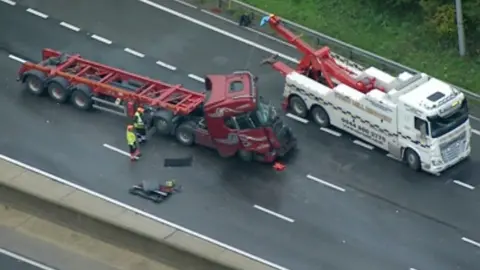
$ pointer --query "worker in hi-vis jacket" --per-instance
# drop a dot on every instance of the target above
(139, 124)
(132, 143)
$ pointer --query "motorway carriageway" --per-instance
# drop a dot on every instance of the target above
(372, 210)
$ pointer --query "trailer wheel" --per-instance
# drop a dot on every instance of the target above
(58, 89)
(163, 121)
(412, 159)
(245, 156)
(185, 133)
(34, 82)
(298, 106)
(82, 97)
(320, 116)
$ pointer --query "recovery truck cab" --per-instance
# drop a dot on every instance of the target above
(229, 117)
(416, 118)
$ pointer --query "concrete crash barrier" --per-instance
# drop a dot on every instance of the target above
(40, 184)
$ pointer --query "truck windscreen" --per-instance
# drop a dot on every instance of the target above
(264, 115)
(442, 125)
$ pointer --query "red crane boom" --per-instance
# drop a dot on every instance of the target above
(317, 64)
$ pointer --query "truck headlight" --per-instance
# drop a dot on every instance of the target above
(437, 162)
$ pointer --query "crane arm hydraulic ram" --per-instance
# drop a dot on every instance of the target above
(110, 81)
(316, 64)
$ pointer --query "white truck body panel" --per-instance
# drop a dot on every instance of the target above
(388, 119)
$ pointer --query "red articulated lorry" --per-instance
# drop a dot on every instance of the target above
(230, 116)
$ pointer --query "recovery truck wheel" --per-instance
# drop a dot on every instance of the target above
(412, 159)
(244, 155)
(58, 89)
(320, 116)
(298, 106)
(185, 133)
(82, 97)
(34, 82)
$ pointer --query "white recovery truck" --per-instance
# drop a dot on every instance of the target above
(416, 118)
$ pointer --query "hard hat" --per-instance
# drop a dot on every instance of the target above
(140, 109)
(129, 127)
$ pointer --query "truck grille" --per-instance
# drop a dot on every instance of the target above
(452, 150)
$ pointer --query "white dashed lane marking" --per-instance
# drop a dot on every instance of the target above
(462, 184)
(133, 52)
(18, 59)
(325, 183)
(101, 39)
(364, 145)
(37, 13)
(470, 241)
(113, 148)
(297, 118)
(476, 132)
(197, 78)
(165, 65)
(331, 132)
(11, 3)
(280, 216)
(70, 26)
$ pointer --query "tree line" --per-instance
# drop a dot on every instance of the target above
(439, 18)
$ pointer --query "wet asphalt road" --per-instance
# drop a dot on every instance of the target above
(388, 217)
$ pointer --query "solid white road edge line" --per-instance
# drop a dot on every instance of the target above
(165, 65)
(186, 4)
(37, 13)
(465, 185)
(13, 57)
(331, 132)
(101, 39)
(133, 52)
(70, 26)
(298, 118)
(11, 3)
(470, 241)
(140, 212)
(113, 148)
(218, 30)
(362, 144)
(474, 131)
(196, 78)
(25, 260)
(273, 213)
(330, 185)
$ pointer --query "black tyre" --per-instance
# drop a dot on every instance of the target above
(162, 125)
(412, 159)
(58, 89)
(81, 99)
(185, 133)
(163, 122)
(244, 155)
(320, 116)
(298, 106)
(34, 81)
